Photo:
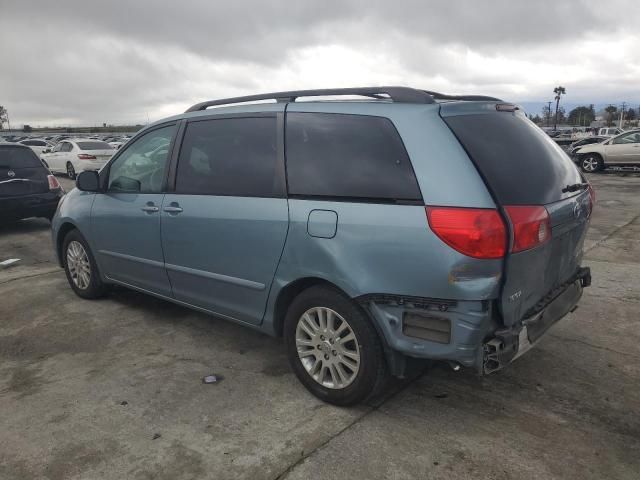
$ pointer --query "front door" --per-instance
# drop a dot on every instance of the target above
(125, 220)
(224, 227)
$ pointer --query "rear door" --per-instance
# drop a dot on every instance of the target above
(54, 159)
(21, 172)
(225, 225)
(522, 166)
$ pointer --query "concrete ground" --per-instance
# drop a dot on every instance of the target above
(112, 389)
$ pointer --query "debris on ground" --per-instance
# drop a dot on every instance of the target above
(156, 436)
(212, 379)
(9, 262)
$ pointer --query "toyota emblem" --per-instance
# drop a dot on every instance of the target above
(577, 209)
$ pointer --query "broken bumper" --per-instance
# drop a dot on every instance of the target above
(509, 344)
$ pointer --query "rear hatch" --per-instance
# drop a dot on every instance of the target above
(522, 167)
(21, 172)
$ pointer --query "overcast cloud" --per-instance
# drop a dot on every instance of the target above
(81, 62)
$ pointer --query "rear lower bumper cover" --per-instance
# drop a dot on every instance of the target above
(417, 327)
(509, 344)
(32, 205)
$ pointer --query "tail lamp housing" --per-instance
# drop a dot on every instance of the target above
(482, 233)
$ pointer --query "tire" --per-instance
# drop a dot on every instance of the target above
(71, 172)
(86, 284)
(591, 163)
(327, 367)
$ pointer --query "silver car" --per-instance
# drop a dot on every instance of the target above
(621, 150)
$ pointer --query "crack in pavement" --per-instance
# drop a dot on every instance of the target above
(285, 473)
(610, 234)
(22, 277)
(597, 347)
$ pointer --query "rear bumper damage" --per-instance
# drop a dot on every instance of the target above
(465, 333)
(511, 343)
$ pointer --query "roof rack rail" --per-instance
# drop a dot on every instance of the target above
(396, 94)
(468, 98)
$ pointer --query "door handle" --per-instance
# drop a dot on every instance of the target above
(150, 208)
(173, 208)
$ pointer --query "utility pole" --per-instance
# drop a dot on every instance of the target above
(549, 113)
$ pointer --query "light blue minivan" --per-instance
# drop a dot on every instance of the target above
(376, 226)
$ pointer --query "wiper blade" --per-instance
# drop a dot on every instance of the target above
(575, 187)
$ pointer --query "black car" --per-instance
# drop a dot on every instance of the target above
(27, 187)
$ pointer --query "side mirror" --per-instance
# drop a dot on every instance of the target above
(88, 181)
(46, 150)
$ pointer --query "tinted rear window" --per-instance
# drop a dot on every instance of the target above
(521, 164)
(352, 156)
(20, 157)
(94, 145)
(236, 157)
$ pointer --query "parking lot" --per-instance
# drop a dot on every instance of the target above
(113, 388)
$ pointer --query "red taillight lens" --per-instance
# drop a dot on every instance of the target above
(531, 226)
(53, 182)
(84, 156)
(476, 232)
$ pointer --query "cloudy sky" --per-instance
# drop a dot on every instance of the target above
(80, 62)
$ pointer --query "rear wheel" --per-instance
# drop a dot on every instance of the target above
(81, 268)
(71, 172)
(591, 163)
(333, 348)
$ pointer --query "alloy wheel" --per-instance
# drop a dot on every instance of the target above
(327, 347)
(78, 265)
(590, 164)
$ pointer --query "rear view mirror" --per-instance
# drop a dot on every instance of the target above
(88, 181)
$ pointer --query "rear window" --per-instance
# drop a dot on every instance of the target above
(520, 163)
(347, 156)
(94, 145)
(18, 157)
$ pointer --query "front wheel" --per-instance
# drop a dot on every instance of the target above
(71, 172)
(81, 268)
(333, 348)
(591, 164)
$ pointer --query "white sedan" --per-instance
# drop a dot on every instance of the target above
(76, 155)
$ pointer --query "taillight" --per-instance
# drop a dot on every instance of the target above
(592, 199)
(84, 156)
(53, 182)
(531, 226)
(476, 232)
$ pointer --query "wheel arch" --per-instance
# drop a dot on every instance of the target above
(289, 292)
(64, 229)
